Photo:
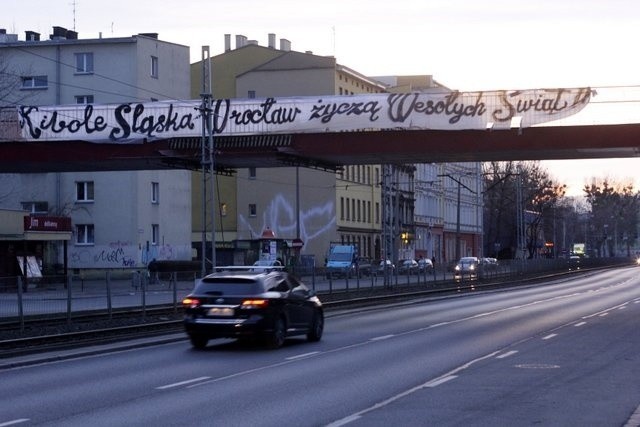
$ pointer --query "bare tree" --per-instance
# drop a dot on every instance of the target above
(539, 193)
(614, 215)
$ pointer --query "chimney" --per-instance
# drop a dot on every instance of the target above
(3, 31)
(59, 33)
(227, 42)
(72, 35)
(285, 45)
(272, 41)
(32, 36)
(240, 41)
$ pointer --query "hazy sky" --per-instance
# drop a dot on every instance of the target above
(464, 44)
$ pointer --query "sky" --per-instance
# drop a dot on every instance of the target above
(467, 45)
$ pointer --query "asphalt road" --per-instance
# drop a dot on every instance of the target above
(563, 354)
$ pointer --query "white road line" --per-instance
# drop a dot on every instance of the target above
(344, 421)
(431, 383)
(634, 420)
(302, 356)
(507, 354)
(181, 383)
(383, 337)
(14, 422)
(439, 381)
(580, 323)
(548, 337)
(603, 314)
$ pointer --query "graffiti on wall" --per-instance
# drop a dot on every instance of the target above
(121, 254)
(280, 216)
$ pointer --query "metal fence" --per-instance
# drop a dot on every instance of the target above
(68, 296)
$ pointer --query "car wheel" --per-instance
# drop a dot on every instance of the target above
(317, 327)
(276, 338)
(199, 342)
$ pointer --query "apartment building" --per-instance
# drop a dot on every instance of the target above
(305, 202)
(119, 219)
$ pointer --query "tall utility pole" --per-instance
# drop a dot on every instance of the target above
(460, 185)
(520, 217)
(207, 161)
(387, 221)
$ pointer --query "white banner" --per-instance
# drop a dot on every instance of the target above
(131, 122)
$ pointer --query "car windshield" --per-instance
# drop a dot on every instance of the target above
(340, 256)
(228, 286)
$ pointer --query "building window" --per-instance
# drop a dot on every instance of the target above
(251, 94)
(223, 209)
(342, 208)
(253, 211)
(84, 63)
(154, 67)
(84, 191)
(36, 208)
(353, 209)
(348, 210)
(84, 99)
(252, 173)
(84, 234)
(155, 234)
(35, 82)
(155, 192)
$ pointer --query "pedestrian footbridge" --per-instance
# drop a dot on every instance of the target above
(323, 131)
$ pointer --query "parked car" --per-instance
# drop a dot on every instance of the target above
(387, 265)
(242, 302)
(364, 266)
(489, 264)
(467, 267)
(277, 265)
(408, 266)
(425, 265)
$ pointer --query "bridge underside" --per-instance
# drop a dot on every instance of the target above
(329, 150)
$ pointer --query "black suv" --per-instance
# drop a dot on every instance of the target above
(247, 302)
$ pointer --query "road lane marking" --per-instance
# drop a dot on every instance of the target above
(302, 356)
(14, 422)
(180, 384)
(383, 337)
(507, 354)
(431, 383)
(344, 421)
(548, 337)
(634, 420)
(580, 323)
(439, 381)
(603, 314)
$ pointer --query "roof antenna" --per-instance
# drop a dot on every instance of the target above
(73, 3)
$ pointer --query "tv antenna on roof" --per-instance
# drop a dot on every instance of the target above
(73, 3)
